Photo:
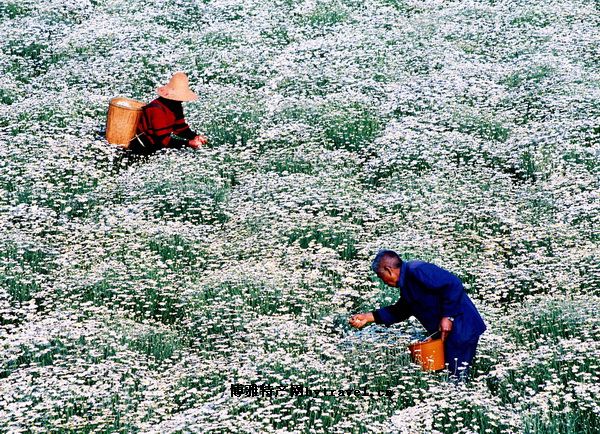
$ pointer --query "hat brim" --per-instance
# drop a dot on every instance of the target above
(182, 96)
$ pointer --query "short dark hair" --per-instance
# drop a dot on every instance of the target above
(386, 258)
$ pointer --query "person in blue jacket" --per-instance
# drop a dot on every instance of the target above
(437, 299)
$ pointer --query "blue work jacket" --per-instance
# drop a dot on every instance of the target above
(429, 293)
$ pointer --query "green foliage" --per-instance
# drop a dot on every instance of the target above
(182, 16)
(100, 292)
(487, 129)
(19, 289)
(481, 223)
(232, 127)
(6, 97)
(205, 387)
(401, 6)
(242, 296)
(42, 355)
(197, 202)
(218, 39)
(569, 421)
(589, 135)
(326, 14)
(18, 268)
(527, 168)
(31, 51)
(158, 345)
(557, 375)
(388, 173)
(72, 192)
(341, 241)
(12, 10)
(37, 260)
(533, 75)
(586, 159)
(278, 36)
(178, 253)
(148, 70)
(160, 305)
(291, 165)
(555, 320)
(157, 302)
(531, 18)
(350, 127)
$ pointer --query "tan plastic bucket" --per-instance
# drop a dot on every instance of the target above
(429, 354)
(122, 119)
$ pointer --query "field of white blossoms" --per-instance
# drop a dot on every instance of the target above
(133, 295)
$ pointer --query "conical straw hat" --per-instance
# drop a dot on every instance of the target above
(178, 88)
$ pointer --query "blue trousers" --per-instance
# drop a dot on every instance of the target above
(459, 357)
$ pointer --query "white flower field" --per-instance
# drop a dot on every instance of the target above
(135, 296)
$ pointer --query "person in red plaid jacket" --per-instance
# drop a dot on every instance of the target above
(162, 124)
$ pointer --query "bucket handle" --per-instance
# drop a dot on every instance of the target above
(431, 335)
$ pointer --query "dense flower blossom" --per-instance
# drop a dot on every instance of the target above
(133, 295)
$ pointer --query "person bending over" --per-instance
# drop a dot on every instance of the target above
(437, 299)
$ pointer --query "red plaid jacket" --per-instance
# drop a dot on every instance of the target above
(161, 118)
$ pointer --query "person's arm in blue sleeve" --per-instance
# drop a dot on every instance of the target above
(392, 314)
(439, 281)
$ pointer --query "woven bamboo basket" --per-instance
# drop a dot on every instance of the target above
(122, 119)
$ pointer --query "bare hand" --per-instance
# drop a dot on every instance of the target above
(445, 327)
(361, 319)
(198, 141)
